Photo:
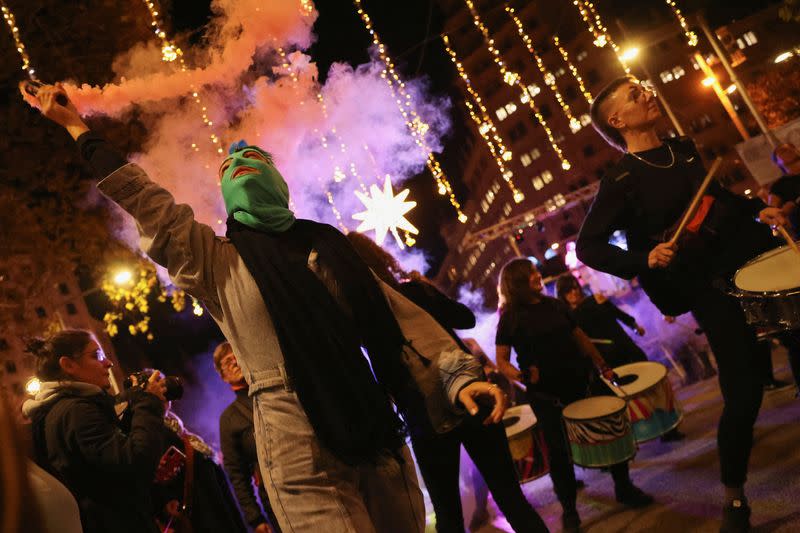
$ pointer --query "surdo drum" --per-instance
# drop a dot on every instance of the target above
(526, 443)
(652, 406)
(768, 289)
(599, 431)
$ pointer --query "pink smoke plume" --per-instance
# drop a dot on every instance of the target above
(326, 139)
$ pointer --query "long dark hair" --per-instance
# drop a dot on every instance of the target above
(514, 287)
(66, 343)
(381, 262)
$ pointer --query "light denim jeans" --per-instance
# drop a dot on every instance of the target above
(310, 489)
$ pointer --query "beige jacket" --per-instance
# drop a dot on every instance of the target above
(209, 268)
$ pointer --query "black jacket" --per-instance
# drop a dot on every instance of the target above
(601, 321)
(645, 202)
(449, 313)
(80, 440)
(240, 458)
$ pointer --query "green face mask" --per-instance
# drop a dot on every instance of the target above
(254, 191)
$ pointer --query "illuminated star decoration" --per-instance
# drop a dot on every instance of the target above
(385, 212)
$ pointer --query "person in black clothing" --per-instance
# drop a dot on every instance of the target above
(644, 195)
(438, 455)
(79, 439)
(238, 442)
(599, 318)
(785, 191)
(556, 361)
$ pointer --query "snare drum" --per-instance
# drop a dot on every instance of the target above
(651, 402)
(768, 289)
(599, 431)
(526, 443)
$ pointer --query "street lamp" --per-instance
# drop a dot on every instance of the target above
(630, 53)
(709, 81)
(784, 56)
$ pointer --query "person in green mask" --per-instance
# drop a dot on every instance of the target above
(297, 305)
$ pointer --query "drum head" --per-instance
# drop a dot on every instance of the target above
(518, 419)
(773, 271)
(594, 407)
(637, 377)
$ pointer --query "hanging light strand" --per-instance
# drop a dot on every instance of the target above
(515, 80)
(414, 123)
(485, 125)
(338, 173)
(170, 53)
(549, 77)
(691, 37)
(8, 16)
(601, 35)
(287, 66)
(573, 70)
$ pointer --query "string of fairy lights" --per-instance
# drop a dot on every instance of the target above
(691, 37)
(485, 124)
(515, 80)
(287, 66)
(170, 52)
(573, 69)
(601, 35)
(414, 123)
(8, 16)
(549, 77)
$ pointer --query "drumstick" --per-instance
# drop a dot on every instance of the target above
(789, 239)
(601, 341)
(696, 201)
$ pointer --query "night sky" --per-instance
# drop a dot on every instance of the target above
(411, 30)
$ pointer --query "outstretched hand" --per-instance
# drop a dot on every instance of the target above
(66, 116)
(483, 389)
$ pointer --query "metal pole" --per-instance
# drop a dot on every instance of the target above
(659, 94)
(735, 79)
(722, 95)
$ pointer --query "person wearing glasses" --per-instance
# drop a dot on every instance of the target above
(644, 195)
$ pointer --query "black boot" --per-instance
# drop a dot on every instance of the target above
(632, 496)
(570, 521)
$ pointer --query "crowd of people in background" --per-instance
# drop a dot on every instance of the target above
(315, 438)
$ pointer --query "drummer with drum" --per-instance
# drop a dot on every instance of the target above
(558, 364)
(645, 194)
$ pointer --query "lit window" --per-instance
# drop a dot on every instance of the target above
(583, 54)
(550, 205)
(524, 98)
(560, 72)
(495, 186)
(750, 38)
(678, 71)
(472, 260)
(559, 199)
(534, 89)
(695, 65)
(741, 44)
(535, 154)
(484, 205)
(538, 183)
(501, 113)
(511, 107)
(507, 175)
(547, 176)
(558, 137)
(585, 119)
(525, 159)
(666, 76)
(506, 209)
(476, 218)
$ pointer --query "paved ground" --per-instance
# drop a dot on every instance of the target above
(683, 476)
